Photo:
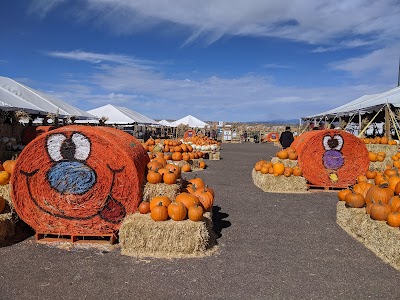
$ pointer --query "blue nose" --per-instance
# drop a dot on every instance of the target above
(71, 177)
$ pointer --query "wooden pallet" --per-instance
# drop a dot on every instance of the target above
(76, 238)
(325, 188)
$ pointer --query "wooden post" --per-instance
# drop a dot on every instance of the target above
(387, 122)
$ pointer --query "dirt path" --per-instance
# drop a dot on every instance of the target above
(272, 246)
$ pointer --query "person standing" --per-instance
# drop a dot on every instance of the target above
(286, 138)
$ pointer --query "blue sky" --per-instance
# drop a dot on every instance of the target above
(244, 60)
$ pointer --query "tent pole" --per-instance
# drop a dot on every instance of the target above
(370, 122)
(387, 121)
(359, 121)
(395, 123)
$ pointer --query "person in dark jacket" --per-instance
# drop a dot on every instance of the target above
(286, 138)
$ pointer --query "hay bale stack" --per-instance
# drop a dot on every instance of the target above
(194, 163)
(7, 217)
(214, 156)
(331, 157)
(79, 180)
(152, 190)
(377, 236)
(140, 236)
(287, 162)
(279, 184)
(390, 150)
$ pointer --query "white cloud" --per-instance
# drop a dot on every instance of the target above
(382, 64)
(311, 21)
(243, 98)
(97, 58)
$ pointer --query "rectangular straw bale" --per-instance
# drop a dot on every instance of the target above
(152, 190)
(140, 236)
(7, 218)
(287, 162)
(377, 236)
(390, 150)
(279, 184)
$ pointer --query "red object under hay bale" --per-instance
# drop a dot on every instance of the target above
(331, 157)
(79, 180)
(272, 137)
(189, 134)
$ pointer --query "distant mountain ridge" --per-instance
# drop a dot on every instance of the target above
(282, 121)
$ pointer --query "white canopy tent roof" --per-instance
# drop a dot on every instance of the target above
(120, 115)
(190, 121)
(164, 123)
(16, 96)
(366, 103)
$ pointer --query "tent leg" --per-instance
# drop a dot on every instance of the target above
(387, 122)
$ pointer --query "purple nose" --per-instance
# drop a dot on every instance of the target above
(333, 159)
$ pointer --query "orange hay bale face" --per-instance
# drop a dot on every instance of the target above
(332, 157)
(79, 180)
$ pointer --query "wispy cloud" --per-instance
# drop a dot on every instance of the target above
(42, 7)
(243, 98)
(276, 66)
(314, 21)
(98, 58)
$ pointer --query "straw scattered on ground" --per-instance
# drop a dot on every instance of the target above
(279, 184)
(377, 236)
(140, 236)
(194, 163)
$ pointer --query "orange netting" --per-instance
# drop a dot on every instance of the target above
(79, 180)
(272, 137)
(331, 157)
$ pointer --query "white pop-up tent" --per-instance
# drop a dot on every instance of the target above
(120, 115)
(16, 96)
(190, 121)
(164, 123)
(363, 104)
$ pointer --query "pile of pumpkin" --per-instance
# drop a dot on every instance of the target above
(277, 169)
(380, 198)
(379, 140)
(172, 150)
(288, 153)
(6, 169)
(159, 170)
(378, 156)
(190, 204)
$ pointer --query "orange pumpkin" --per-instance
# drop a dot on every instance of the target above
(164, 200)
(144, 207)
(370, 174)
(197, 182)
(342, 194)
(362, 188)
(372, 156)
(205, 198)
(202, 165)
(177, 156)
(395, 203)
(4, 177)
(186, 168)
(380, 211)
(355, 200)
(283, 154)
(177, 211)
(9, 165)
(195, 213)
(379, 193)
(170, 177)
(187, 199)
(159, 212)
(154, 177)
(279, 169)
(393, 219)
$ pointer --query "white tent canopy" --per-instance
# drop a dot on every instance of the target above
(190, 121)
(16, 96)
(164, 123)
(120, 115)
(366, 103)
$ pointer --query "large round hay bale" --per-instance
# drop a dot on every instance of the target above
(79, 180)
(331, 157)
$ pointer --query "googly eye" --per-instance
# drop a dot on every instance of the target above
(333, 143)
(82, 146)
(54, 143)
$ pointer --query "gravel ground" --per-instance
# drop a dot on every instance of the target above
(272, 246)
